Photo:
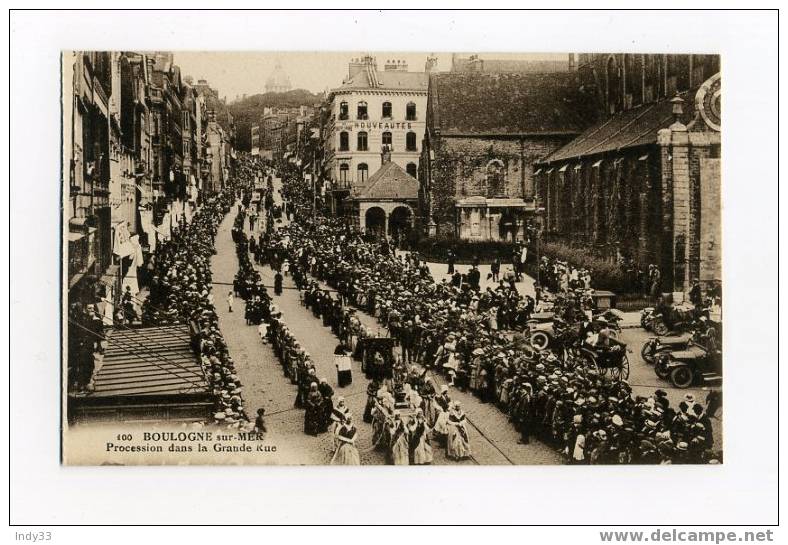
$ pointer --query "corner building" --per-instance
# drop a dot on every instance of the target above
(370, 111)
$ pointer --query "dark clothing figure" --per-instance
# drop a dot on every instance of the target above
(278, 283)
(495, 269)
(314, 415)
(327, 393)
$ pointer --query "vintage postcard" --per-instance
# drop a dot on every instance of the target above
(361, 258)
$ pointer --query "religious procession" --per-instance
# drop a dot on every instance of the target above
(389, 322)
(425, 344)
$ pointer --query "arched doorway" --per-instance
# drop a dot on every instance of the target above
(375, 221)
(400, 223)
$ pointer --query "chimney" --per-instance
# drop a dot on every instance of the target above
(431, 64)
(357, 65)
(395, 65)
(385, 155)
(354, 67)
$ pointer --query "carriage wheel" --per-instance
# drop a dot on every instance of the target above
(624, 368)
(647, 352)
(591, 364)
(540, 340)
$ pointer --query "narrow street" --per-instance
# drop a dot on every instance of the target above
(264, 384)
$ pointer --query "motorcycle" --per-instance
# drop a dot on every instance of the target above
(654, 346)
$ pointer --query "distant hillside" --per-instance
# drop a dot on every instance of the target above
(249, 111)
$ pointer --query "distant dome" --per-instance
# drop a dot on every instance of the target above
(277, 82)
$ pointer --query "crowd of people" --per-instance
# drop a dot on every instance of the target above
(314, 395)
(455, 328)
(462, 330)
(181, 293)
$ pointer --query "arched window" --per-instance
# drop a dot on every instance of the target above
(682, 70)
(344, 141)
(363, 143)
(613, 85)
(638, 71)
(495, 179)
(410, 111)
(633, 72)
(410, 141)
(411, 169)
(362, 110)
(669, 73)
(363, 173)
(386, 113)
(650, 71)
(387, 139)
(343, 112)
(343, 173)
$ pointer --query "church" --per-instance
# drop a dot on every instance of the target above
(278, 81)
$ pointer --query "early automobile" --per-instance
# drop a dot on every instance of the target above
(693, 365)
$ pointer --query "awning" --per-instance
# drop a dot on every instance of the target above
(631, 128)
(596, 165)
(538, 171)
(562, 169)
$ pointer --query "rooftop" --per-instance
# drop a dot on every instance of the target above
(385, 80)
(389, 182)
(466, 103)
(168, 365)
(628, 129)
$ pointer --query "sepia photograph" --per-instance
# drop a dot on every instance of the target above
(393, 267)
(364, 258)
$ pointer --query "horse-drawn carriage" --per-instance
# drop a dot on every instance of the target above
(546, 331)
(611, 359)
(377, 357)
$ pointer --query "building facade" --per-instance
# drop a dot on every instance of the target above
(642, 184)
(371, 110)
(86, 150)
(385, 205)
(484, 132)
(135, 141)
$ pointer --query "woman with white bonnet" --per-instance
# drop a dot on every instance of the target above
(458, 445)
